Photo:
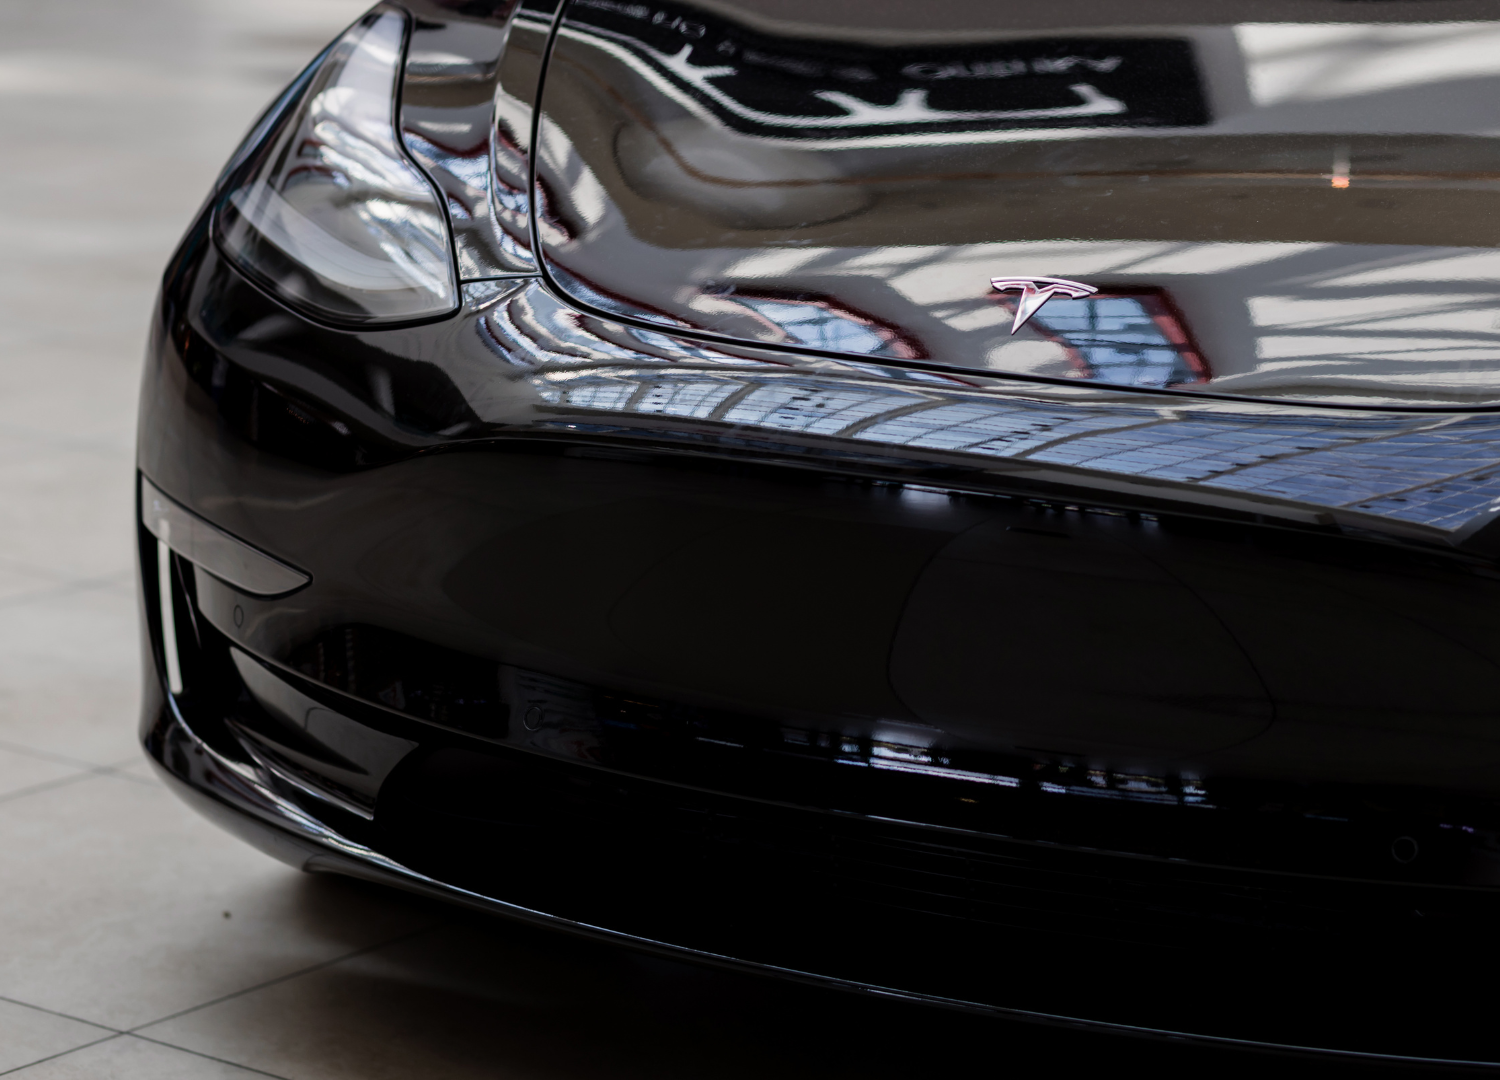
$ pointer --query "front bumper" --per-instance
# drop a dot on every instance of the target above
(1056, 937)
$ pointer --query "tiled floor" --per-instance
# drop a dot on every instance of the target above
(136, 940)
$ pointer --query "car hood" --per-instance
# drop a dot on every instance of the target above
(1292, 201)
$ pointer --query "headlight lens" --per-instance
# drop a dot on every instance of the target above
(328, 212)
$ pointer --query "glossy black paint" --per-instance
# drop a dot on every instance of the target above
(1173, 711)
(1270, 206)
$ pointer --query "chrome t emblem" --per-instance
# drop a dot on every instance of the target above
(1036, 291)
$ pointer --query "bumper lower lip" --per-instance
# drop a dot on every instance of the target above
(243, 799)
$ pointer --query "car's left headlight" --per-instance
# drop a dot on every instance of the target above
(327, 211)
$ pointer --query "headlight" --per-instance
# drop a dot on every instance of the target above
(327, 211)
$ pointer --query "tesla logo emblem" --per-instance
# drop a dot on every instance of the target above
(1036, 291)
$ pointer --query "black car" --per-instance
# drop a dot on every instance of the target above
(991, 503)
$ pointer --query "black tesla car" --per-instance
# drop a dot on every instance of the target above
(991, 503)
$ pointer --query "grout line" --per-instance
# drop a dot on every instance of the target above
(135, 1032)
(48, 755)
(65, 588)
(116, 771)
(47, 785)
(64, 1053)
(143, 1038)
(63, 1015)
(287, 977)
(210, 1057)
(120, 772)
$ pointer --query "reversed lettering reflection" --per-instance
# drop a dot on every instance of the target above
(786, 87)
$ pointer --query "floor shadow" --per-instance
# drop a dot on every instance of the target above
(477, 996)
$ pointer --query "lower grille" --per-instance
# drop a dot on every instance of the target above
(884, 903)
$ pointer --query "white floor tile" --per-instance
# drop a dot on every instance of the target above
(115, 904)
(90, 717)
(69, 672)
(19, 582)
(465, 1002)
(69, 511)
(478, 1000)
(22, 772)
(28, 1035)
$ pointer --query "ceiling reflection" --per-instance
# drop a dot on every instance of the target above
(1289, 194)
(1435, 475)
(1129, 339)
(447, 126)
(786, 87)
(571, 720)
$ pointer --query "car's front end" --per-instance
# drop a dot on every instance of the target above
(989, 507)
